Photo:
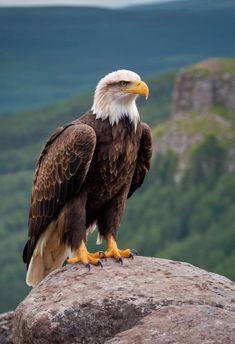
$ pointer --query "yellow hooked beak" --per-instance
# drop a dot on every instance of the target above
(138, 87)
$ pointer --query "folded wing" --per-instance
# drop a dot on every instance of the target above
(144, 159)
(60, 172)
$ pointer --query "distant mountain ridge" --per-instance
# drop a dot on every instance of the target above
(50, 54)
(186, 5)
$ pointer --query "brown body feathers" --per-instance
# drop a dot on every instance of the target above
(84, 175)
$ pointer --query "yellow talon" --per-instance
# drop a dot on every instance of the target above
(84, 257)
(114, 252)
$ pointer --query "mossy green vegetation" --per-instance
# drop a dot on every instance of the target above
(211, 67)
(192, 123)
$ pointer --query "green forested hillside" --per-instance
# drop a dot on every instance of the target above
(191, 219)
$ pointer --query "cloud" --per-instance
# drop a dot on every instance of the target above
(108, 3)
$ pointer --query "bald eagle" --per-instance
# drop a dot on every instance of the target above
(84, 175)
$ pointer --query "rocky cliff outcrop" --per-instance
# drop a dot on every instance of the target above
(147, 300)
(203, 105)
(204, 85)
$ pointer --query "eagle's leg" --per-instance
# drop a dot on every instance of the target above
(114, 252)
(73, 228)
(108, 222)
(85, 257)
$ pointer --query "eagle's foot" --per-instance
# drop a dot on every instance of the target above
(119, 254)
(99, 255)
(114, 252)
(86, 258)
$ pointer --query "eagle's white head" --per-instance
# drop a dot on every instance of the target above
(115, 96)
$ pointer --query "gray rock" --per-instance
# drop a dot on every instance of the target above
(6, 320)
(203, 86)
(178, 143)
(147, 300)
(231, 160)
(181, 324)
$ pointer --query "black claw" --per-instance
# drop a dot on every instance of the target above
(88, 266)
(100, 264)
(65, 262)
(120, 260)
(102, 255)
(134, 252)
(131, 256)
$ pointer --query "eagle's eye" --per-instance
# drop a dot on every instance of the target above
(123, 83)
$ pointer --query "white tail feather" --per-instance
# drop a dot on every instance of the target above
(90, 230)
(48, 255)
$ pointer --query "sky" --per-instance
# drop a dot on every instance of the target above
(108, 3)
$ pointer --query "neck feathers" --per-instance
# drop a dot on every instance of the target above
(111, 107)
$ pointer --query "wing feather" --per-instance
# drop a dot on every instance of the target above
(144, 159)
(60, 172)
